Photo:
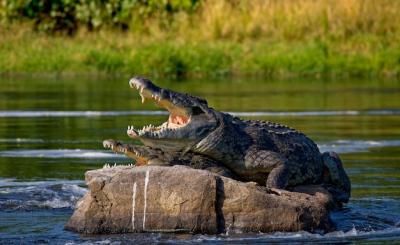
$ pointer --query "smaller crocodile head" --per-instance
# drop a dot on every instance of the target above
(142, 155)
(190, 119)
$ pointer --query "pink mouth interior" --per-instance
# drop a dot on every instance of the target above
(176, 121)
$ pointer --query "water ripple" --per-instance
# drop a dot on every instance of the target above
(60, 153)
(77, 113)
(33, 195)
(349, 146)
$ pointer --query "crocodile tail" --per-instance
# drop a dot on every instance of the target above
(335, 178)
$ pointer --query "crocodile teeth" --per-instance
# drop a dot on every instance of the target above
(143, 98)
(141, 94)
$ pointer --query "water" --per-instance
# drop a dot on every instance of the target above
(51, 132)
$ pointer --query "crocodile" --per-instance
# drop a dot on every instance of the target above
(268, 153)
(145, 155)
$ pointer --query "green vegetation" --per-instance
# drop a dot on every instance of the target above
(201, 38)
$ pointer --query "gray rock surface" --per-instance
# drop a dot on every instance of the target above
(181, 199)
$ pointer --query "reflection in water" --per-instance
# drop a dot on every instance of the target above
(51, 133)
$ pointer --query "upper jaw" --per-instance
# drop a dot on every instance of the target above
(146, 89)
(162, 97)
(179, 116)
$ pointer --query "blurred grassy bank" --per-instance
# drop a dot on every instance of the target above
(260, 37)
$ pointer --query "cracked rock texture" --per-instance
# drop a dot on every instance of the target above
(181, 199)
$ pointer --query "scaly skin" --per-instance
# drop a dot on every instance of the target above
(264, 152)
(144, 155)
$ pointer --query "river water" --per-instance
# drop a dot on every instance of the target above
(51, 131)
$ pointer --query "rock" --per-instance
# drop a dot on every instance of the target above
(181, 199)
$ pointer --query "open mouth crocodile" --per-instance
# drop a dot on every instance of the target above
(268, 153)
(189, 121)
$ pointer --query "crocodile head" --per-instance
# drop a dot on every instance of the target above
(142, 155)
(189, 121)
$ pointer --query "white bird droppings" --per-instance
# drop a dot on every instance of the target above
(146, 183)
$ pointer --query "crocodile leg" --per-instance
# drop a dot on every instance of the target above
(336, 179)
(279, 177)
(270, 163)
(198, 161)
(143, 155)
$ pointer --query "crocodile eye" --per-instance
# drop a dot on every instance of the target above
(196, 111)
